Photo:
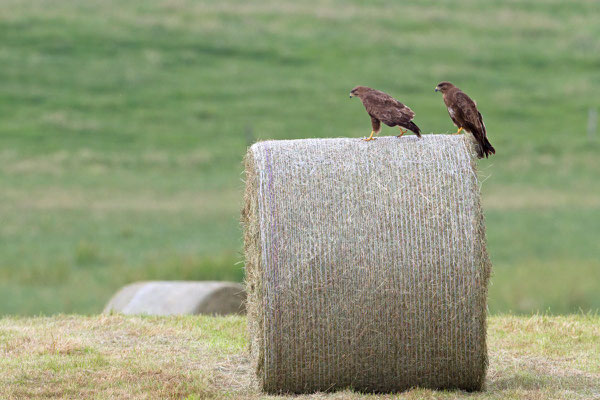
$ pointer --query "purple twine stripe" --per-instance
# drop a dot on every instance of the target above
(274, 267)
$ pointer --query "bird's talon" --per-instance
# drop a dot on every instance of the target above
(370, 137)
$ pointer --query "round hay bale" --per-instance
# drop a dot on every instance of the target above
(178, 298)
(366, 264)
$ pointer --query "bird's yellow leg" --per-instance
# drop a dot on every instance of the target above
(403, 132)
(370, 137)
(458, 131)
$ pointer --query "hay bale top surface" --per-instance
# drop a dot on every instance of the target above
(408, 142)
(440, 152)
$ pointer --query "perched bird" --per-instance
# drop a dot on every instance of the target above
(465, 115)
(384, 108)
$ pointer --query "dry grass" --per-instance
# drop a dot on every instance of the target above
(84, 357)
(537, 357)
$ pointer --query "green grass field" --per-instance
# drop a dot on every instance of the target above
(197, 358)
(123, 126)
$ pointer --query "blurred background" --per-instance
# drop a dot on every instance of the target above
(123, 126)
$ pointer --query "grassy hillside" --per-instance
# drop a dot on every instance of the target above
(537, 357)
(123, 126)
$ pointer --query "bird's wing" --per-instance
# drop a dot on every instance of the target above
(469, 114)
(474, 124)
(482, 124)
(387, 109)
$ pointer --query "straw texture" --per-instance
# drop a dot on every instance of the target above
(366, 264)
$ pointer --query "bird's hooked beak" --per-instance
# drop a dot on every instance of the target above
(351, 96)
(437, 89)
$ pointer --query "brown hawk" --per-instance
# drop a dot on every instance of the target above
(382, 107)
(463, 112)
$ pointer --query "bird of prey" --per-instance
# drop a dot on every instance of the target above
(382, 107)
(463, 112)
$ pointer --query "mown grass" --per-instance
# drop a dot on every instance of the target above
(124, 125)
(538, 357)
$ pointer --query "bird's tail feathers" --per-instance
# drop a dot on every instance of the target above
(413, 127)
(485, 148)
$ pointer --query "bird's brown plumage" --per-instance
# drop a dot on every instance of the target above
(463, 112)
(382, 107)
